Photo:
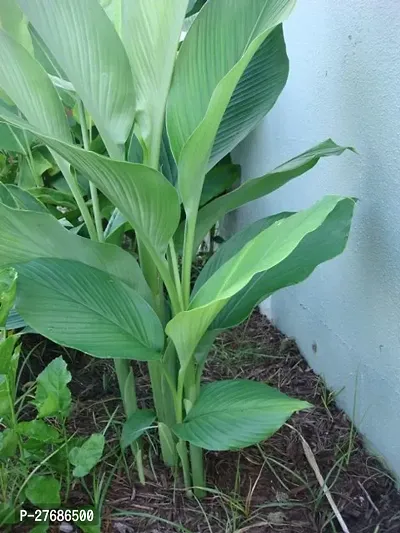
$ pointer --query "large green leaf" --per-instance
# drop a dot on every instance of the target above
(218, 180)
(136, 425)
(143, 195)
(215, 53)
(326, 242)
(232, 246)
(11, 140)
(84, 308)
(14, 22)
(150, 32)
(113, 8)
(255, 94)
(234, 414)
(25, 80)
(29, 235)
(24, 200)
(258, 187)
(87, 47)
(264, 252)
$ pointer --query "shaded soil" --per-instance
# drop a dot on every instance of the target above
(262, 489)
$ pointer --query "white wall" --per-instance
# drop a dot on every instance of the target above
(345, 84)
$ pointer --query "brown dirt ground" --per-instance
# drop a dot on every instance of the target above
(265, 489)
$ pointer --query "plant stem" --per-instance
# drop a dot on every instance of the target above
(126, 383)
(68, 475)
(192, 391)
(76, 193)
(197, 464)
(174, 267)
(183, 455)
(188, 246)
(93, 190)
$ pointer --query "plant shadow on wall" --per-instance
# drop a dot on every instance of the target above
(166, 120)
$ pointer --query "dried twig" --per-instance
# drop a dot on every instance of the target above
(369, 498)
(313, 463)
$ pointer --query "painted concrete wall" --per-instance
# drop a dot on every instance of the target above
(345, 84)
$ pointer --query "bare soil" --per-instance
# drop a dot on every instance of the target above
(262, 489)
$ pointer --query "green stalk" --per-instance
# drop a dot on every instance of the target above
(127, 388)
(197, 463)
(192, 391)
(190, 229)
(183, 455)
(174, 268)
(126, 379)
(76, 193)
(153, 268)
(93, 190)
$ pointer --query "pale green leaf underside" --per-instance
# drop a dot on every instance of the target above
(254, 96)
(234, 414)
(150, 33)
(213, 56)
(265, 251)
(84, 308)
(14, 22)
(27, 83)
(262, 253)
(87, 47)
(29, 235)
(326, 242)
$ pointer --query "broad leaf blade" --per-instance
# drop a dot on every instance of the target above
(146, 198)
(38, 430)
(28, 235)
(150, 32)
(43, 491)
(11, 140)
(218, 180)
(87, 47)
(84, 308)
(215, 53)
(264, 252)
(136, 425)
(86, 457)
(22, 77)
(234, 414)
(24, 200)
(255, 94)
(14, 22)
(326, 242)
(232, 246)
(256, 188)
(53, 397)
